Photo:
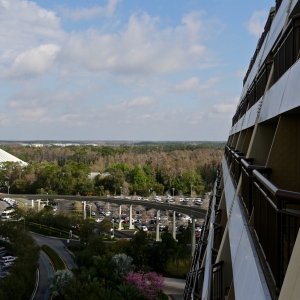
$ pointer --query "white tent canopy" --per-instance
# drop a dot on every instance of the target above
(6, 157)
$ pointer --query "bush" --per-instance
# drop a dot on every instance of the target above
(58, 263)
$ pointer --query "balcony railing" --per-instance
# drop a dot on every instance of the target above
(195, 278)
(217, 281)
(247, 182)
(276, 223)
(276, 212)
(286, 50)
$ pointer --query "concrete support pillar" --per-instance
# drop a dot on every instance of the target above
(130, 217)
(174, 225)
(120, 219)
(157, 225)
(32, 203)
(193, 241)
(39, 204)
(84, 210)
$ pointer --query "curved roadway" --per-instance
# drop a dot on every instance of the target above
(196, 212)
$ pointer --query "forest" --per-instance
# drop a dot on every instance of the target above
(139, 169)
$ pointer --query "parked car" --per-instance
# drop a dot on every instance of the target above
(144, 228)
(10, 258)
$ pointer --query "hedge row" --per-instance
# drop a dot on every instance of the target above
(58, 263)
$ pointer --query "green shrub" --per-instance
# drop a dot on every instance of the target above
(58, 263)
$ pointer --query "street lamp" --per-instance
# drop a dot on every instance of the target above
(191, 190)
(121, 191)
(7, 184)
(173, 191)
(112, 230)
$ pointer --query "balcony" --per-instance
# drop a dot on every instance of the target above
(207, 278)
(276, 223)
(276, 215)
(247, 182)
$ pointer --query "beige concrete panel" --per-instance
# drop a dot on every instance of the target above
(231, 295)
(240, 141)
(225, 256)
(235, 139)
(260, 143)
(284, 156)
(291, 289)
(248, 135)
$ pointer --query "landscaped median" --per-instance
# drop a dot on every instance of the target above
(48, 230)
(57, 261)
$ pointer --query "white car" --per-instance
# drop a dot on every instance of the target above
(186, 218)
(145, 199)
(6, 259)
(198, 201)
(170, 200)
(144, 228)
(139, 198)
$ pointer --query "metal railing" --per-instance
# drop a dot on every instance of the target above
(286, 50)
(217, 281)
(276, 223)
(195, 278)
(247, 181)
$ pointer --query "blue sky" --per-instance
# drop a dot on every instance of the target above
(124, 69)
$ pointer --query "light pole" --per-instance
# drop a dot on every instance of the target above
(191, 190)
(121, 191)
(173, 191)
(7, 184)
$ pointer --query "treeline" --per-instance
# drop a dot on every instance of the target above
(66, 170)
(20, 283)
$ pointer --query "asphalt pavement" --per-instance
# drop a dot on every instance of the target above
(58, 245)
(45, 271)
(174, 288)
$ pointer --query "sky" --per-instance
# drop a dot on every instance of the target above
(134, 70)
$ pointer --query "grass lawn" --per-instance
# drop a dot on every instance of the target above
(183, 269)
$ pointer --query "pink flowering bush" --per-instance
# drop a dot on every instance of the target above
(149, 284)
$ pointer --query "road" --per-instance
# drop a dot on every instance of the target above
(174, 288)
(58, 245)
(45, 270)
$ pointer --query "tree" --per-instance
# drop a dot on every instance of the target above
(123, 264)
(129, 292)
(59, 281)
(149, 284)
(105, 224)
(180, 252)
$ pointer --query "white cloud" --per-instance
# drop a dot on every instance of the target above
(25, 25)
(141, 48)
(141, 101)
(241, 73)
(256, 24)
(225, 109)
(138, 102)
(33, 62)
(193, 84)
(90, 78)
(90, 13)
